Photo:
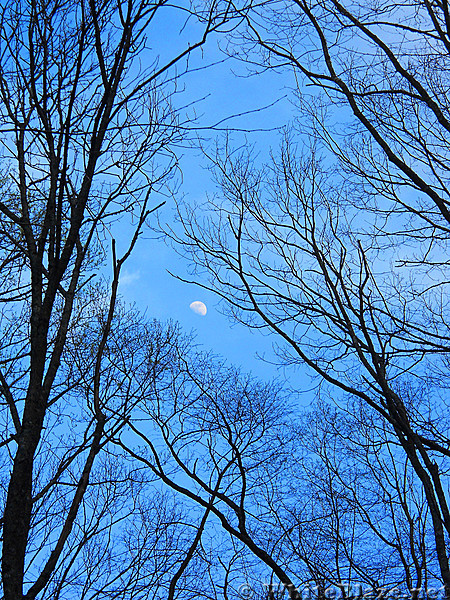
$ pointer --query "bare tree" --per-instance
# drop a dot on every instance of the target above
(102, 411)
(88, 135)
(291, 505)
(218, 439)
(362, 521)
(291, 248)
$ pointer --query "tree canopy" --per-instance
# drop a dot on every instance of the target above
(133, 464)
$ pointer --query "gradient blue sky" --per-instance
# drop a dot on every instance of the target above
(145, 279)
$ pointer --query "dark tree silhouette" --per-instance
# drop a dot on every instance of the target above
(339, 246)
(88, 134)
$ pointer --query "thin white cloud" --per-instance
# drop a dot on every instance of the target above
(127, 277)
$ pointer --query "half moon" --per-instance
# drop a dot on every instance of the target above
(198, 307)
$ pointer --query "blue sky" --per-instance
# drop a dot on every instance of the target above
(145, 280)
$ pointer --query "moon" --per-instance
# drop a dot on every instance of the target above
(198, 307)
